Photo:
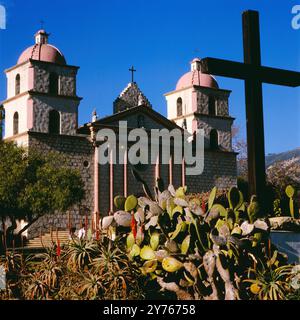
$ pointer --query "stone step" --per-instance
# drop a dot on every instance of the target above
(46, 240)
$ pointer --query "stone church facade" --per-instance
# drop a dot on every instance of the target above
(41, 112)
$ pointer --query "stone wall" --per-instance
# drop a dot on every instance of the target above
(139, 119)
(129, 98)
(221, 100)
(222, 125)
(67, 78)
(220, 170)
(79, 154)
(68, 110)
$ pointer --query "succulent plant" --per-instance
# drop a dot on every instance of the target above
(171, 264)
(119, 202)
(277, 208)
(212, 197)
(175, 242)
(130, 203)
(253, 209)
(123, 218)
(180, 233)
(290, 192)
(147, 253)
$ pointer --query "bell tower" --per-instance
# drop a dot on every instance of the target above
(199, 103)
(41, 93)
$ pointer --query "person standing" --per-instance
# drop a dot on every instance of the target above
(81, 232)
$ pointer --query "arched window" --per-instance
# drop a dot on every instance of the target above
(179, 107)
(17, 84)
(214, 139)
(54, 122)
(16, 123)
(211, 106)
(53, 83)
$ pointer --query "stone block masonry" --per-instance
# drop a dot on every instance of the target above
(220, 170)
(79, 154)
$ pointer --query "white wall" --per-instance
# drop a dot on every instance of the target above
(186, 96)
(22, 140)
(24, 71)
(189, 122)
(21, 106)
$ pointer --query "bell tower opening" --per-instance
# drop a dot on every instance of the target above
(179, 107)
(214, 139)
(17, 84)
(54, 83)
(54, 122)
(212, 106)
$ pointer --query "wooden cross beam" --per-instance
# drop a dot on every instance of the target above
(254, 74)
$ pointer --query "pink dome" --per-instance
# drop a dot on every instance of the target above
(42, 52)
(196, 78)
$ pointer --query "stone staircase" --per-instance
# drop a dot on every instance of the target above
(46, 241)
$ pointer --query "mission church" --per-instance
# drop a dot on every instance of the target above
(41, 112)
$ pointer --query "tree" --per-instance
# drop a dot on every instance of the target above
(12, 178)
(2, 116)
(284, 173)
(240, 146)
(34, 184)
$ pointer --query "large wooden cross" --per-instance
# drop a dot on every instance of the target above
(254, 74)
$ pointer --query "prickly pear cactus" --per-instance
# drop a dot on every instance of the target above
(119, 202)
(290, 192)
(253, 209)
(130, 203)
(200, 251)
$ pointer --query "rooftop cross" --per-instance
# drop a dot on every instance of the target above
(254, 74)
(132, 70)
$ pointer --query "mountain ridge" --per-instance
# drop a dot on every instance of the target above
(282, 156)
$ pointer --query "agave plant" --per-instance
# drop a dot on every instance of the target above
(70, 286)
(90, 286)
(271, 284)
(35, 288)
(12, 262)
(50, 274)
(119, 277)
(80, 254)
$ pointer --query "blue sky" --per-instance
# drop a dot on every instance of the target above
(159, 38)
